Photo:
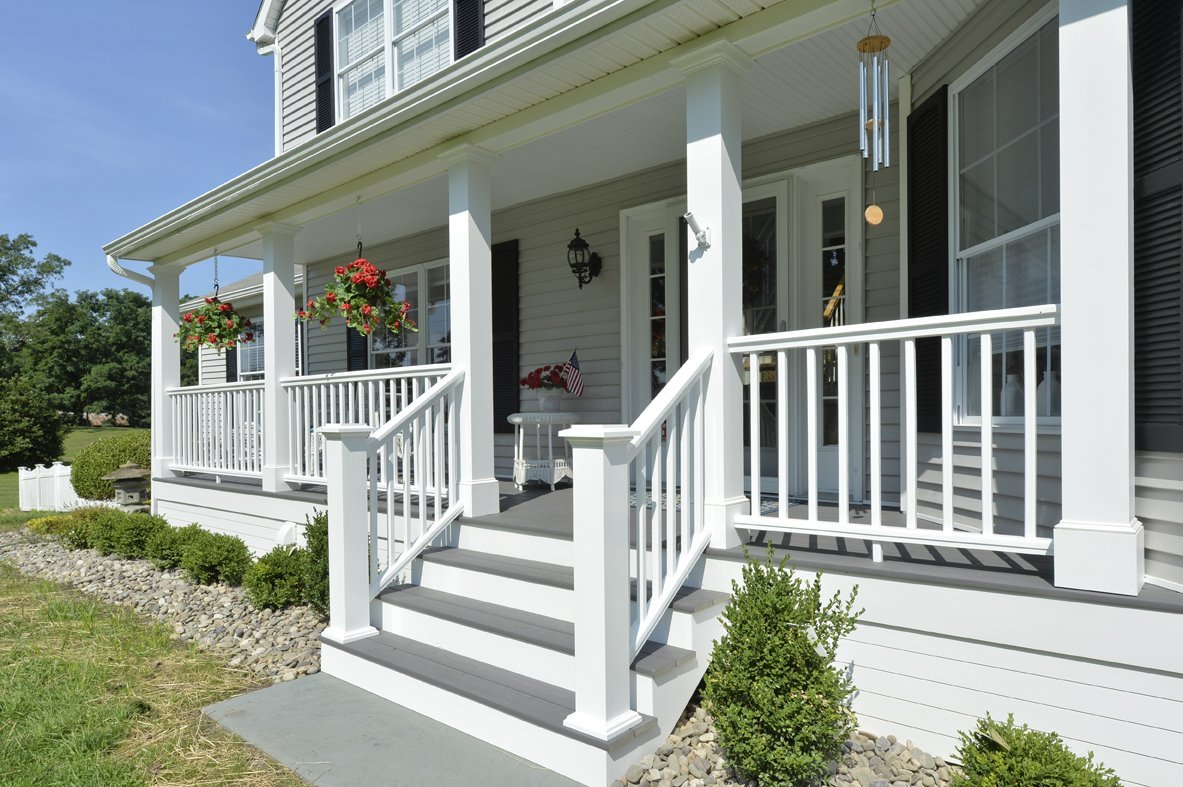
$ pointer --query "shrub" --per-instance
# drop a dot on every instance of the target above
(165, 547)
(80, 531)
(30, 429)
(999, 755)
(276, 580)
(52, 525)
(129, 538)
(779, 703)
(316, 565)
(212, 557)
(105, 455)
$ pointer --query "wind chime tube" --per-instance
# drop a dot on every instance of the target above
(862, 105)
(886, 114)
(875, 109)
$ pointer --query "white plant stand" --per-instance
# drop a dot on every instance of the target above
(546, 468)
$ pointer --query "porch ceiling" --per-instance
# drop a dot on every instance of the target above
(556, 127)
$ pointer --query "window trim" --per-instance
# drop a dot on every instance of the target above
(422, 348)
(957, 286)
(386, 47)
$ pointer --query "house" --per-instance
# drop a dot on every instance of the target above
(969, 401)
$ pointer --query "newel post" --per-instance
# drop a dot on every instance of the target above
(603, 641)
(349, 537)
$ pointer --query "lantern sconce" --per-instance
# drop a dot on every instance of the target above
(586, 266)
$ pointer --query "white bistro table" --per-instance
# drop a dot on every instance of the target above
(546, 468)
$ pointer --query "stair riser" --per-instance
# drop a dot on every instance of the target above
(508, 592)
(524, 658)
(581, 762)
(510, 543)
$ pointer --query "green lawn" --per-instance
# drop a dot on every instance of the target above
(89, 694)
(77, 438)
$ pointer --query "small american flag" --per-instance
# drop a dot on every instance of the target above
(572, 377)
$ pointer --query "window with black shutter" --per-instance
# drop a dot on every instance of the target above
(1158, 225)
(928, 243)
(232, 365)
(506, 366)
(357, 351)
(469, 19)
(326, 114)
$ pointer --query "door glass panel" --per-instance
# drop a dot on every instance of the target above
(759, 316)
(833, 307)
(657, 313)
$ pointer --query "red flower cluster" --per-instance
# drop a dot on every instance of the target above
(362, 294)
(214, 324)
(549, 377)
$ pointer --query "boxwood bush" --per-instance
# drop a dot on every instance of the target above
(994, 754)
(316, 566)
(82, 524)
(780, 704)
(104, 456)
(165, 547)
(215, 557)
(276, 580)
(132, 531)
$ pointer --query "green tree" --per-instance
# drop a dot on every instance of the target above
(24, 281)
(30, 430)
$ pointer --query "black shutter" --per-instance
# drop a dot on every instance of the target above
(1158, 225)
(506, 366)
(357, 351)
(469, 16)
(326, 114)
(928, 243)
(232, 365)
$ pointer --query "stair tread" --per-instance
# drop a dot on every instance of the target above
(654, 660)
(531, 700)
(687, 599)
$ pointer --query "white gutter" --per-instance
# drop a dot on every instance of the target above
(119, 270)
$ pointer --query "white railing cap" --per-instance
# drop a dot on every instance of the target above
(345, 430)
(426, 399)
(249, 385)
(393, 373)
(673, 392)
(598, 433)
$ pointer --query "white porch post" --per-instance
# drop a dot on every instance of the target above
(279, 349)
(166, 363)
(603, 646)
(471, 284)
(714, 195)
(1099, 544)
(349, 536)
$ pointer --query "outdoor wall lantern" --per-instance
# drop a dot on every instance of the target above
(586, 266)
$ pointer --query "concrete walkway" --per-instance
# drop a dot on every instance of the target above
(332, 733)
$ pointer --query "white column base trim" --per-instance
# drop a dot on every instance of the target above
(720, 520)
(481, 497)
(273, 480)
(1107, 558)
(601, 729)
(162, 467)
(343, 637)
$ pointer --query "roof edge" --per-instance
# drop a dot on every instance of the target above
(266, 24)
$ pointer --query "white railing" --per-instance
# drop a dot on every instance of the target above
(842, 341)
(641, 484)
(391, 493)
(218, 429)
(372, 398)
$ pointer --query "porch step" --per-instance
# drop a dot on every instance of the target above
(532, 701)
(689, 600)
(655, 659)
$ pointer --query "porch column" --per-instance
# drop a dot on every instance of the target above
(1099, 544)
(279, 349)
(714, 195)
(470, 274)
(166, 363)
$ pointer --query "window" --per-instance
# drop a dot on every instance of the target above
(432, 313)
(1007, 218)
(250, 356)
(385, 46)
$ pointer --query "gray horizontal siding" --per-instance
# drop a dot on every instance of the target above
(1158, 504)
(296, 39)
(503, 17)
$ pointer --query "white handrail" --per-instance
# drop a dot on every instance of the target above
(416, 408)
(668, 397)
(392, 373)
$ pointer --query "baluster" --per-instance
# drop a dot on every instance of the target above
(699, 462)
(421, 464)
(641, 496)
(438, 480)
(782, 425)
(843, 435)
(672, 440)
(910, 428)
(947, 433)
(987, 408)
(1030, 448)
(876, 436)
(374, 458)
(754, 428)
(811, 426)
(655, 522)
(453, 441)
(687, 471)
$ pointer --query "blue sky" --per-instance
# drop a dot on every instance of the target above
(117, 112)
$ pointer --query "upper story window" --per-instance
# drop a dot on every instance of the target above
(385, 46)
(427, 288)
(1006, 225)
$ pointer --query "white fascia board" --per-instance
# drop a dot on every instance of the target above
(266, 24)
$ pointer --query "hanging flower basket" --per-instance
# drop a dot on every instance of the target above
(214, 324)
(363, 296)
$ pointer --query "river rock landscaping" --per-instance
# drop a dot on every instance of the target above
(274, 645)
(691, 757)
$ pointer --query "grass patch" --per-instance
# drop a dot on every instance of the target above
(77, 438)
(89, 694)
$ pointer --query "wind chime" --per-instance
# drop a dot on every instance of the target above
(874, 100)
